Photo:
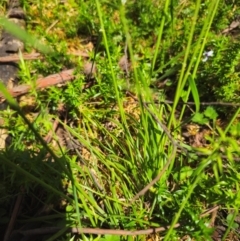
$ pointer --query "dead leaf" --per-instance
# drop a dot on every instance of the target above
(232, 26)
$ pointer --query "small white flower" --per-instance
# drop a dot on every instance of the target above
(207, 55)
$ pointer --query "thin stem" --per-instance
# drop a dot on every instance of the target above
(184, 74)
(160, 33)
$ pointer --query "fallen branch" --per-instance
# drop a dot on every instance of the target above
(16, 58)
(219, 103)
(32, 56)
(14, 215)
(215, 103)
(98, 231)
(42, 83)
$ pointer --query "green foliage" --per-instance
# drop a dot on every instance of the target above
(220, 77)
(112, 145)
(206, 116)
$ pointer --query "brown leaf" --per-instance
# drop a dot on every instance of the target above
(232, 26)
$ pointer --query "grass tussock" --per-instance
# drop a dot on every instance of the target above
(133, 144)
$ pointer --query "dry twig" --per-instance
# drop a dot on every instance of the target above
(42, 83)
(16, 58)
(32, 56)
(170, 159)
(14, 216)
(98, 231)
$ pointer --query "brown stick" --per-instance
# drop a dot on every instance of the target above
(15, 58)
(215, 103)
(50, 80)
(100, 231)
(32, 56)
(209, 211)
(170, 159)
(104, 231)
(156, 179)
(49, 136)
(201, 103)
(14, 216)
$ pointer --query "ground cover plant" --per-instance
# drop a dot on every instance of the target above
(143, 142)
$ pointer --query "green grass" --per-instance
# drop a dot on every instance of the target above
(125, 132)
